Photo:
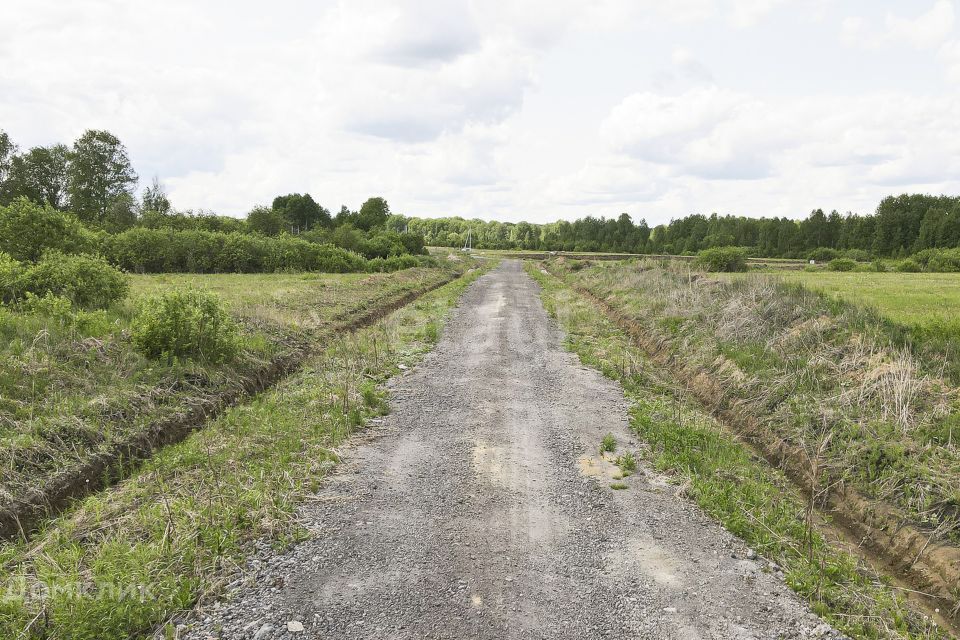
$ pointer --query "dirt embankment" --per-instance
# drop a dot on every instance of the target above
(931, 567)
(106, 467)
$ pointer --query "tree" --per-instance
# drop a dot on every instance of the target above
(99, 173)
(344, 216)
(155, 198)
(373, 213)
(7, 151)
(121, 214)
(40, 175)
(265, 220)
(301, 212)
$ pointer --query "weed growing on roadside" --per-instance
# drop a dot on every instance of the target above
(608, 444)
(627, 463)
(619, 485)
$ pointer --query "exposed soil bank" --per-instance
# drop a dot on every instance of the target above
(479, 508)
(106, 467)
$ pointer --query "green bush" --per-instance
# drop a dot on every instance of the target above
(86, 281)
(823, 254)
(842, 264)
(28, 229)
(10, 273)
(858, 254)
(188, 324)
(193, 251)
(908, 266)
(723, 259)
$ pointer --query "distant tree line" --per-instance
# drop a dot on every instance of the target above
(901, 226)
(94, 181)
(81, 200)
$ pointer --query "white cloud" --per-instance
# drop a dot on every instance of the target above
(527, 109)
(747, 13)
(925, 31)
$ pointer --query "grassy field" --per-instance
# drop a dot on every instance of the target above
(125, 561)
(913, 299)
(753, 500)
(73, 385)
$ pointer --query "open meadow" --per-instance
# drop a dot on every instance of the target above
(913, 299)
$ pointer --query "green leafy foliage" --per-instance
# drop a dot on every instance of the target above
(908, 266)
(723, 259)
(608, 444)
(98, 174)
(86, 281)
(190, 324)
(28, 229)
(823, 254)
(842, 264)
(168, 251)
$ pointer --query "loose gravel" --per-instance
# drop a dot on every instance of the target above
(481, 508)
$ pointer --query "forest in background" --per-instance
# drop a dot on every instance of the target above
(901, 226)
(94, 181)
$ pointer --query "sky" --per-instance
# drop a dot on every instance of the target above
(513, 110)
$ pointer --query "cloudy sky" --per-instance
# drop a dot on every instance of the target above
(506, 110)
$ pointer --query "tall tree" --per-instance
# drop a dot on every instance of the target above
(155, 198)
(301, 212)
(40, 175)
(265, 220)
(373, 213)
(100, 172)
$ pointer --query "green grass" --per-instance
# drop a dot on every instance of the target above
(68, 389)
(608, 444)
(627, 463)
(914, 299)
(123, 561)
(750, 499)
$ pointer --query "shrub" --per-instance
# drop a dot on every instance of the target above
(908, 266)
(725, 259)
(28, 229)
(188, 324)
(857, 254)
(823, 254)
(10, 273)
(842, 264)
(170, 251)
(939, 260)
(86, 281)
(394, 263)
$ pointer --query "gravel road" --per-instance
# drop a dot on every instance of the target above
(479, 508)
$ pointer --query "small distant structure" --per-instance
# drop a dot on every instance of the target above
(468, 244)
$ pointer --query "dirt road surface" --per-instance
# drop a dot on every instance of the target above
(479, 508)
